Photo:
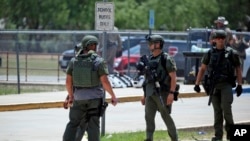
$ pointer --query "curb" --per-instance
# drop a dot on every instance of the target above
(59, 104)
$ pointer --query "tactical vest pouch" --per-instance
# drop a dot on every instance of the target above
(84, 74)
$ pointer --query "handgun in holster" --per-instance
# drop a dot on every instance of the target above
(103, 108)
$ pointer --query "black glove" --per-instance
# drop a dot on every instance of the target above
(197, 88)
(238, 90)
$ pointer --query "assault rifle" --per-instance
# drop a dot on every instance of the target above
(208, 85)
(150, 70)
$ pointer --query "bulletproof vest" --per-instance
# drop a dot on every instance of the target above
(220, 64)
(156, 64)
(85, 71)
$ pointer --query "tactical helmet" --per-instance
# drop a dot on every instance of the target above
(87, 40)
(154, 38)
(219, 34)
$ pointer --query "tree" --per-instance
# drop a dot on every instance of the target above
(172, 15)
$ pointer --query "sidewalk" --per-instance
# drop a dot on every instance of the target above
(38, 124)
(55, 99)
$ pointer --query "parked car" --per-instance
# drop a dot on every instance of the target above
(131, 41)
(65, 58)
(126, 43)
(126, 64)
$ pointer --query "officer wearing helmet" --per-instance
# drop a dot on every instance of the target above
(221, 63)
(159, 98)
(86, 81)
(221, 24)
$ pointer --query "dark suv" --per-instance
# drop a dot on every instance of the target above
(65, 58)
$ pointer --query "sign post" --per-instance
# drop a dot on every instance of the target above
(104, 21)
(151, 20)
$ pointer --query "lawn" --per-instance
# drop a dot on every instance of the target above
(31, 64)
(24, 88)
(204, 134)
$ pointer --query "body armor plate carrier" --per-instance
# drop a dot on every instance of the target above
(85, 72)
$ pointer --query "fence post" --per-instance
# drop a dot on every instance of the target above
(104, 97)
(17, 63)
(26, 67)
(7, 66)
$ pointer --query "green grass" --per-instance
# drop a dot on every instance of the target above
(184, 134)
(12, 89)
(31, 64)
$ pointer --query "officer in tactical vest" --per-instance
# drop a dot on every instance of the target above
(85, 82)
(222, 64)
(160, 84)
(221, 23)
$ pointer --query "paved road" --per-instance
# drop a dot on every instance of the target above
(49, 124)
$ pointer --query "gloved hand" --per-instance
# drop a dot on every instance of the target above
(238, 90)
(197, 88)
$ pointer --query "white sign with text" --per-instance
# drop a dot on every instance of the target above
(104, 16)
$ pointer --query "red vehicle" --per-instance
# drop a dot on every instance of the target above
(126, 64)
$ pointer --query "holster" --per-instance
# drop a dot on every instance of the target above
(103, 107)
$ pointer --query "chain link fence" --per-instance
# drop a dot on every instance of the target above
(39, 52)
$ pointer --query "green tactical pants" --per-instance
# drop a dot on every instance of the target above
(152, 105)
(84, 114)
(222, 104)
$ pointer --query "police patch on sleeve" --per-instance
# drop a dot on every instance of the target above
(104, 68)
(172, 66)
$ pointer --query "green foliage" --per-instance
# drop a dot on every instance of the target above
(173, 15)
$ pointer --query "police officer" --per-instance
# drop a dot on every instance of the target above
(159, 99)
(221, 23)
(221, 63)
(114, 46)
(86, 78)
